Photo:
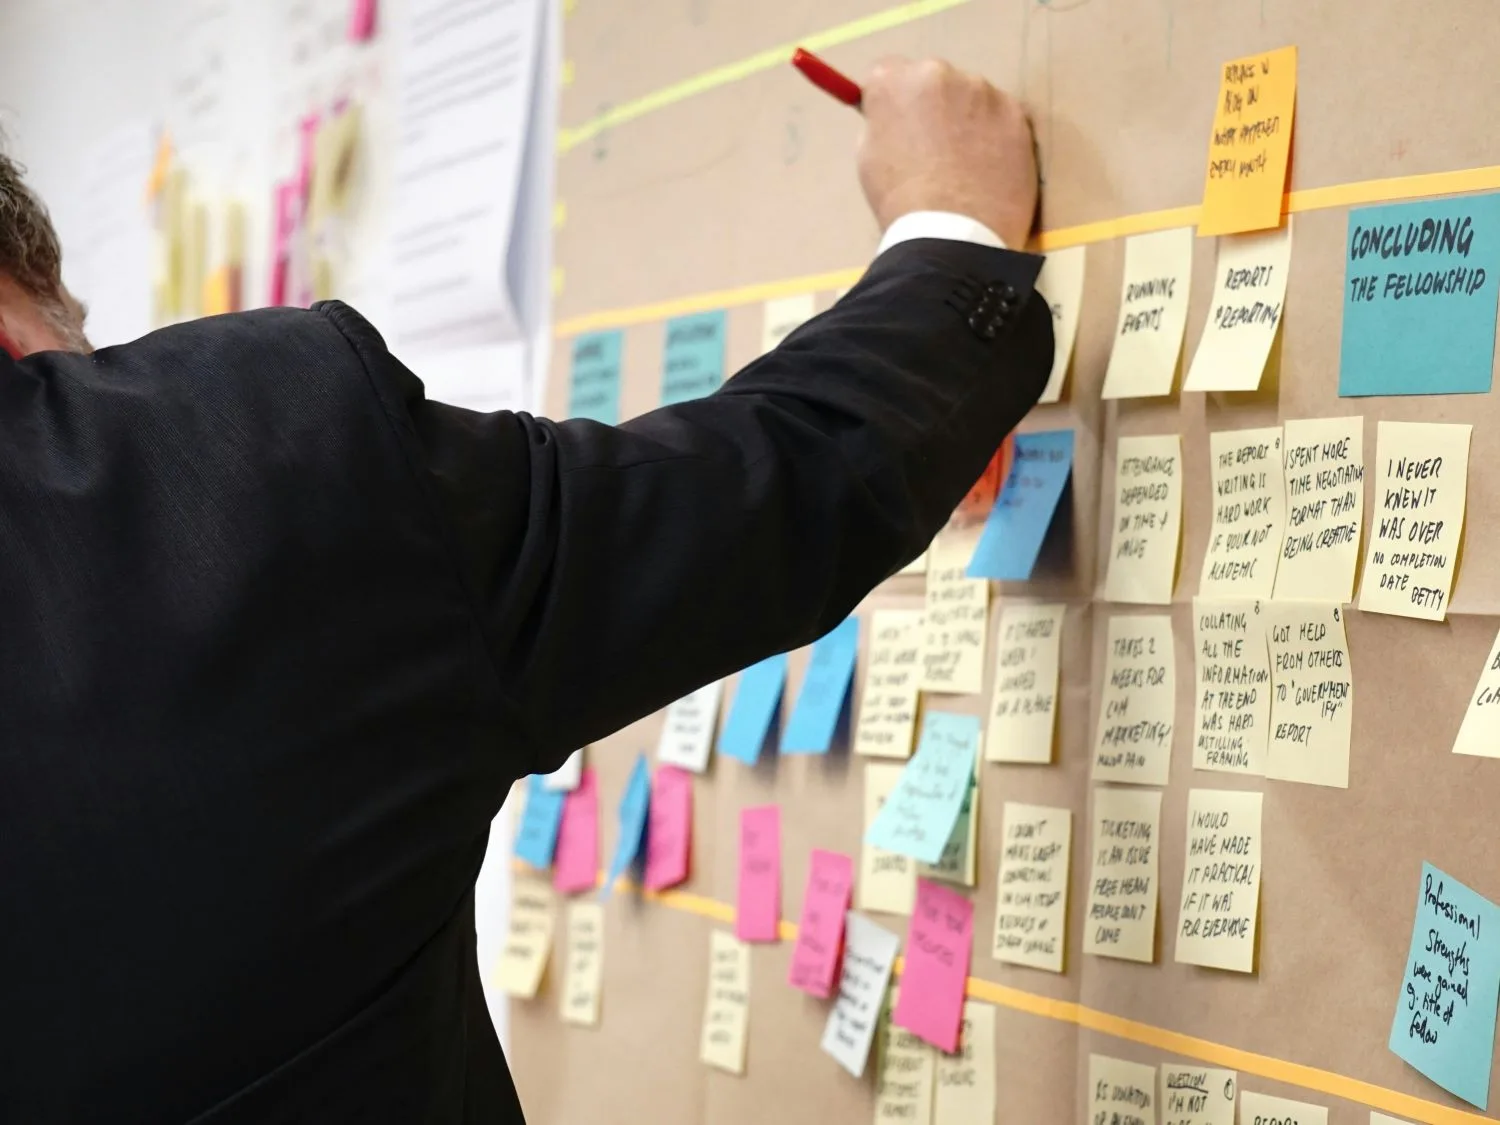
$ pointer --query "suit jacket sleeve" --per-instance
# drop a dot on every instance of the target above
(614, 569)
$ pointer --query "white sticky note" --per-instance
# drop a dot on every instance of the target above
(1232, 662)
(906, 1077)
(1249, 506)
(1031, 899)
(917, 565)
(1267, 1110)
(1377, 1118)
(888, 705)
(1121, 1091)
(1325, 508)
(567, 776)
(1061, 285)
(869, 951)
(1153, 314)
(1197, 1095)
(1312, 700)
(533, 916)
(1220, 880)
(1023, 709)
(1137, 702)
(887, 880)
(583, 979)
(726, 1013)
(966, 1079)
(955, 623)
(1421, 486)
(1249, 291)
(783, 316)
(687, 737)
(1479, 734)
(1147, 520)
(1121, 918)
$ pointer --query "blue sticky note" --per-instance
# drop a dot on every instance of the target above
(692, 363)
(594, 383)
(824, 689)
(1018, 522)
(917, 819)
(537, 838)
(633, 809)
(1420, 285)
(754, 709)
(1445, 1012)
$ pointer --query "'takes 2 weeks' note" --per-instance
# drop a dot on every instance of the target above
(1147, 520)
(1137, 708)
(1250, 144)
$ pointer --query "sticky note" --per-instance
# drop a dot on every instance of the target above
(585, 970)
(1153, 314)
(1023, 710)
(1061, 285)
(1244, 313)
(362, 21)
(919, 816)
(752, 715)
(820, 932)
(1249, 506)
(825, 687)
(1122, 1092)
(692, 357)
(1138, 703)
(566, 777)
(1250, 143)
(1197, 1095)
(687, 736)
(1232, 659)
(888, 707)
(887, 880)
(1479, 734)
(959, 860)
(906, 1076)
(869, 951)
(917, 565)
(1281, 1111)
(1312, 701)
(1031, 900)
(1121, 920)
(1421, 488)
(783, 316)
(1325, 497)
(1377, 1118)
(1220, 880)
(533, 915)
(669, 832)
(1018, 521)
(536, 839)
(938, 943)
(594, 380)
(1147, 520)
(1420, 285)
(1444, 1023)
(966, 1080)
(575, 865)
(758, 903)
(726, 1014)
(955, 624)
(634, 807)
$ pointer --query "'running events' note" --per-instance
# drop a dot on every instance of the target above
(1153, 314)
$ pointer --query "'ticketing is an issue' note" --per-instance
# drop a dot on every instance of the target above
(1121, 919)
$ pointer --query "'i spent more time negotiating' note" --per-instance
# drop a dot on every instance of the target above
(1232, 655)
(1325, 495)
(1133, 740)
(1147, 520)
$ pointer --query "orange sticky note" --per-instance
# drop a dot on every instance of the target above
(1250, 144)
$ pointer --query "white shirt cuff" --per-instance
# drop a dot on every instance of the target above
(938, 224)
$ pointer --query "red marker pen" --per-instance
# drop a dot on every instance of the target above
(825, 78)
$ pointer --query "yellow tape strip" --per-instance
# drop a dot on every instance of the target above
(570, 138)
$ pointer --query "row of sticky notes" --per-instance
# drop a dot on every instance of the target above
(1121, 1091)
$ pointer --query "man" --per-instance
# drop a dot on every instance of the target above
(277, 634)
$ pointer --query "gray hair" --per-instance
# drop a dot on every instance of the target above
(31, 256)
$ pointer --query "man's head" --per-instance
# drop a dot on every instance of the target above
(37, 313)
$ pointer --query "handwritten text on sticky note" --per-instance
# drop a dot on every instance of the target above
(888, 709)
(1122, 884)
(1137, 711)
(869, 951)
(1147, 520)
(1023, 712)
(825, 901)
(1312, 701)
(1221, 880)
(919, 817)
(938, 944)
(1031, 901)
(669, 834)
(1246, 310)
(1250, 144)
(1325, 495)
(758, 907)
(1153, 314)
(1232, 657)
(1249, 504)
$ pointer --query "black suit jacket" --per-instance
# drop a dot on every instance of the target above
(277, 634)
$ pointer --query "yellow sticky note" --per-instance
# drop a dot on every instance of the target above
(783, 316)
(1282, 1111)
(1480, 733)
(1220, 880)
(1325, 504)
(1197, 1095)
(1121, 1091)
(1121, 920)
(955, 628)
(1061, 285)
(160, 168)
(905, 1074)
(1312, 701)
(1232, 659)
(585, 971)
(1249, 295)
(966, 1080)
(1249, 505)
(1147, 521)
(888, 706)
(1250, 144)
(1031, 901)
(1153, 314)
(887, 881)
(559, 214)
(533, 915)
(1422, 479)
(917, 565)
(216, 293)
(1138, 702)
(1023, 710)
(726, 1014)
(959, 861)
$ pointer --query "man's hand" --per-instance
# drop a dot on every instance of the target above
(937, 139)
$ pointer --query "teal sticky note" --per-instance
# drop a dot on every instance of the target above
(1420, 286)
(537, 838)
(634, 806)
(824, 689)
(594, 381)
(692, 363)
(917, 819)
(756, 701)
(1445, 1012)
(1017, 524)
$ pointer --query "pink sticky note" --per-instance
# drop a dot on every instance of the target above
(815, 960)
(575, 863)
(758, 910)
(287, 208)
(362, 21)
(931, 1004)
(669, 828)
